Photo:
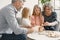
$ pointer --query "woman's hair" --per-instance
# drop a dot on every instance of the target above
(47, 5)
(36, 6)
(25, 12)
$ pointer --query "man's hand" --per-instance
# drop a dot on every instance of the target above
(25, 26)
(30, 30)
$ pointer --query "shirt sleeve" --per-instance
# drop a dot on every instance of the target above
(54, 19)
(12, 22)
(53, 23)
(54, 16)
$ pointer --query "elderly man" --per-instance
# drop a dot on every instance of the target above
(9, 28)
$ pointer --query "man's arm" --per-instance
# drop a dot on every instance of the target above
(12, 22)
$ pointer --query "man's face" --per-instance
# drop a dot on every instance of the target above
(19, 5)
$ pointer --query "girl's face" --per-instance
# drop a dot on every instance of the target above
(37, 11)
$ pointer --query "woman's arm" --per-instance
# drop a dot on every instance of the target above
(53, 23)
(53, 20)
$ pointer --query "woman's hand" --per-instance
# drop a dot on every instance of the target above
(46, 24)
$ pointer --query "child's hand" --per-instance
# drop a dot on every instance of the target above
(30, 30)
(36, 28)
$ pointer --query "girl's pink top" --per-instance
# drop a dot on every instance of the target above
(35, 20)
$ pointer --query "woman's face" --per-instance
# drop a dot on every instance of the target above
(48, 11)
(37, 11)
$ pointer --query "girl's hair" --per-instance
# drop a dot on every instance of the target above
(25, 12)
(36, 6)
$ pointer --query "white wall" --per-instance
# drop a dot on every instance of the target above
(57, 6)
(28, 3)
(4, 3)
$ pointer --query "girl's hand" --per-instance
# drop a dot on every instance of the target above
(30, 30)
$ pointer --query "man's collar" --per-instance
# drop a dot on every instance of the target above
(14, 8)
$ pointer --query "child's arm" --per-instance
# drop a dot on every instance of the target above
(26, 23)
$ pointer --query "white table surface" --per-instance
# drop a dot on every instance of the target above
(36, 36)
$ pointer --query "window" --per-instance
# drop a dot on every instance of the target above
(57, 8)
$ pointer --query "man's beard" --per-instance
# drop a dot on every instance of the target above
(19, 8)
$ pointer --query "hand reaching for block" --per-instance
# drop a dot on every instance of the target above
(41, 29)
(36, 28)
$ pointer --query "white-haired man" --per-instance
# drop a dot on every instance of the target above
(9, 28)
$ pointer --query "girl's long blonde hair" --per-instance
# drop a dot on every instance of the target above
(40, 14)
(35, 8)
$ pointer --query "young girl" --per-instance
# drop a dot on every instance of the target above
(25, 18)
(37, 19)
